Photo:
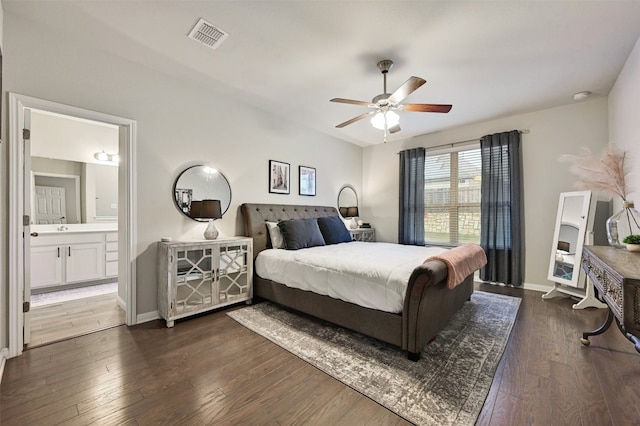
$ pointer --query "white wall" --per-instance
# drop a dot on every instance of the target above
(68, 138)
(553, 132)
(624, 123)
(179, 123)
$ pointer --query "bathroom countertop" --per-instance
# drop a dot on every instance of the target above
(75, 228)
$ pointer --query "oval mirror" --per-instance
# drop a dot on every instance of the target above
(202, 183)
(348, 201)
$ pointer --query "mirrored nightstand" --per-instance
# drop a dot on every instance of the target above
(363, 234)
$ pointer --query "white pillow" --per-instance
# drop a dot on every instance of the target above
(277, 241)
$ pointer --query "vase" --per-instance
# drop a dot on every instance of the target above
(623, 223)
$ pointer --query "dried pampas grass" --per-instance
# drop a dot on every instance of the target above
(605, 173)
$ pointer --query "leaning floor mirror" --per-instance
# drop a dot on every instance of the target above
(574, 225)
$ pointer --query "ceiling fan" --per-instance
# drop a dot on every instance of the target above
(385, 105)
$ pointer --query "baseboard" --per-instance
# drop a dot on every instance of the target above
(525, 286)
(112, 280)
(4, 355)
(148, 316)
(537, 287)
(121, 303)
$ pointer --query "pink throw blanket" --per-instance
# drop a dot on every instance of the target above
(461, 261)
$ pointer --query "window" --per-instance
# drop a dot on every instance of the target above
(452, 197)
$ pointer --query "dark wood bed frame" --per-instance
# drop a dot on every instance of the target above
(428, 303)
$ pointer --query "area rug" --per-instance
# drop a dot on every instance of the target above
(447, 386)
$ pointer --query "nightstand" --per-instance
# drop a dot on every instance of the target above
(199, 276)
(363, 234)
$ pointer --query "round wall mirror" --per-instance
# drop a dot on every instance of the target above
(201, 193)
(348, 201)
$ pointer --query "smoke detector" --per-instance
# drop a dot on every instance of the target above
(581, 95)
(208, 34)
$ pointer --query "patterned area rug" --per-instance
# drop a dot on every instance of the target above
(447, 386)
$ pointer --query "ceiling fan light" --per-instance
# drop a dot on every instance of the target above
(377, 120)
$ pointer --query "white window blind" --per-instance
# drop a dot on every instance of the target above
(452, 196)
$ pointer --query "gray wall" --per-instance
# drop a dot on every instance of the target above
(553, 132)
(179, 123)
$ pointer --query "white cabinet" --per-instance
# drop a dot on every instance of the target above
(83, 262)
(111, 254)
(46, 266)
(199, 276)
(59, 259)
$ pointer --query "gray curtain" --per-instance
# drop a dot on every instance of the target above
(501, 231)
(411, 223)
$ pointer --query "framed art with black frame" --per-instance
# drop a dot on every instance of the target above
(307, 180)
(279, 181)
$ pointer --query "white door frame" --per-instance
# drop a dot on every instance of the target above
(126, 210)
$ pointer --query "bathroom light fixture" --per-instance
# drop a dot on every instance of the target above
(378, 120)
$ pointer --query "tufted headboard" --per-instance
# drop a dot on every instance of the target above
(254, 217)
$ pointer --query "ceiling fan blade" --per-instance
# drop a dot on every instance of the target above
(406, 89)
(354, 119)
(425, 107)
(394, 129)
(350, 101)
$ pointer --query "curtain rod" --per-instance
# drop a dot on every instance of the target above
(468, 141)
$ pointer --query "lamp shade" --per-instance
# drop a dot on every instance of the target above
(194, 211)
(352, 212)
(210, 209)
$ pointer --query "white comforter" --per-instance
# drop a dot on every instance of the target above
(373, 275)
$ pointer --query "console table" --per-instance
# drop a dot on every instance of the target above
(198, 276)
(616, 275)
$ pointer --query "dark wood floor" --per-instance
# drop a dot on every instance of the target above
(211, 370)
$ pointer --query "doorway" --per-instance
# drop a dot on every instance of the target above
(21, 109)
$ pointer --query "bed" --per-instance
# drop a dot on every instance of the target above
(427, 305)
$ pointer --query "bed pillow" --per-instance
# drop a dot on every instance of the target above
(277, 241)
(301, 233)
(333, 230)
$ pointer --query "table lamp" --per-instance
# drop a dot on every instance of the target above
(210, 210)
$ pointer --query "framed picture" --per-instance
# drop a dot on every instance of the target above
(278, 177)
(307, 180)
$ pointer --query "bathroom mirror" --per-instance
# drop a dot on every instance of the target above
(347, 201)
(569, 237)
(198, 183)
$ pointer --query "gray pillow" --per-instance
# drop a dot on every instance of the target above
(277, 242)
(301, 233)
(333, 230)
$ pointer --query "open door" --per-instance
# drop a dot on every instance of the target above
(26, 146)
(20, 211)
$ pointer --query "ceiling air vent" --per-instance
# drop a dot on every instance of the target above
(207, 34)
